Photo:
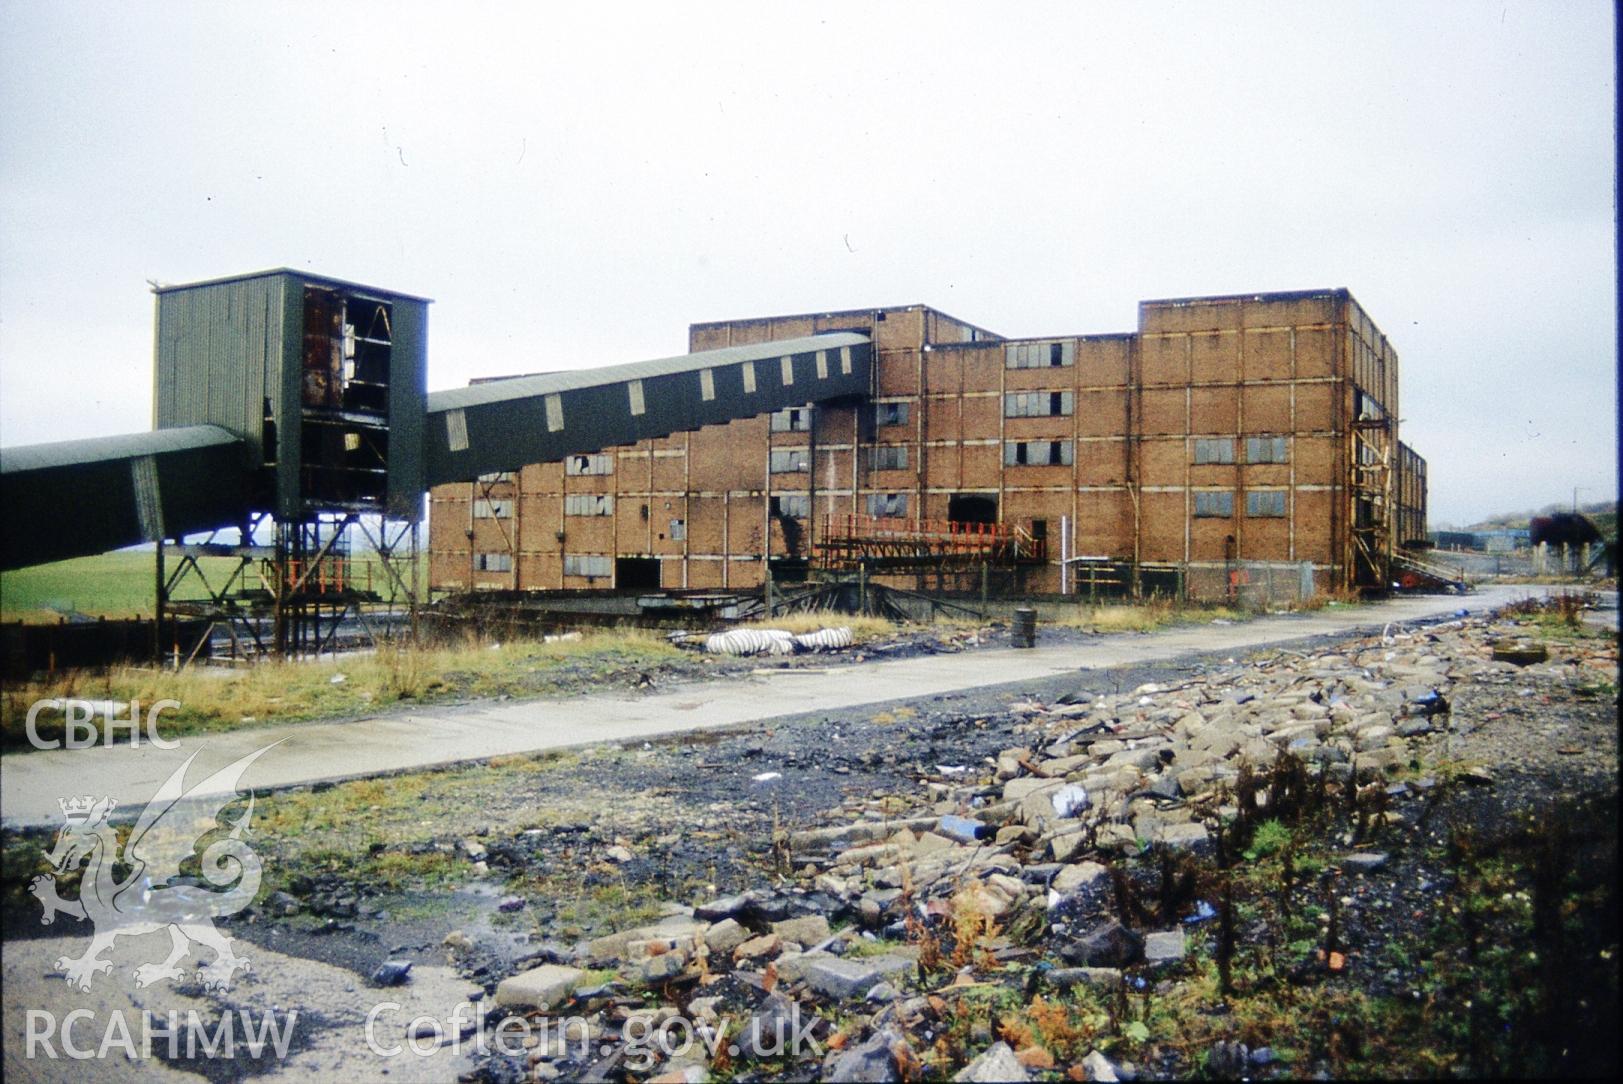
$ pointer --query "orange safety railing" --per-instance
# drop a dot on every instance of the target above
(940, 535)
(330, 576)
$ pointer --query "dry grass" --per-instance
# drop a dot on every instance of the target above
(1321, 599)
(862, 628)
(213, 699)
(1139, 617)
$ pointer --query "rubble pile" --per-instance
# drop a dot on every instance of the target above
(1009, 874)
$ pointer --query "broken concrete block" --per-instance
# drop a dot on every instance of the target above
(806, 931)
(1164, 947)
(544, 987)
(662, 968)
(1018, 789)
(613, 946)
(1184, 837)
(996, 1063)
(1084, 877)
(726, 935)
(758, 947)
(794, 966)
(1064, 845)
(1098, 1067)
(840, 978)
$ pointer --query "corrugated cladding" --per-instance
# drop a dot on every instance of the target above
(227, 346)
(221, 351)
(506, 424)
(79, 497)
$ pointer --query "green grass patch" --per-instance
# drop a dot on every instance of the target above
(119, 584)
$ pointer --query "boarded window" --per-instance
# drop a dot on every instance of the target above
(587, 564)
(793, 420)
(791, 505)
(493, 562)
(1214, 504)
(1214, 450)
(1037, 404)
(888, 457)
(788, 460)
(600, 463)
(1266, 450)
(588, 504)
(1037, 453)
(496, 476)
(887, 504)
(483, 509)
(1041, 355)
(1265, 503)
(890, 413)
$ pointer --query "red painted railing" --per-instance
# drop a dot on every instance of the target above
(940, 535)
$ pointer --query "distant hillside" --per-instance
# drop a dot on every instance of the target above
(1602, 513)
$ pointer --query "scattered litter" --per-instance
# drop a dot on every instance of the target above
(1204, 912)
(339, 679)
(766, 777)
(963, 829)
(1070, 800)
(558, 638)
(952, 769)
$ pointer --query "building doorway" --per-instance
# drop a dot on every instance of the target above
(636, 573)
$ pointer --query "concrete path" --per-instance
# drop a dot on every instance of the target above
(32, 782)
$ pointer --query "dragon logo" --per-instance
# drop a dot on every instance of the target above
(154, 892)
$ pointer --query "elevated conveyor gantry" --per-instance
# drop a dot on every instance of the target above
(334, 365)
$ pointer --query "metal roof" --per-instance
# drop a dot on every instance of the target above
(72, 453)
(523, 387)
(842, 313)
(1336, 293)
(77, 497)
(303, 276)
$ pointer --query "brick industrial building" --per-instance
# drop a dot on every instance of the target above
(1227, 436)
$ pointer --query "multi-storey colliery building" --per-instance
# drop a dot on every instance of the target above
(1227, 438)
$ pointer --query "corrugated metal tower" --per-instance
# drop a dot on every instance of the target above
(325, 383)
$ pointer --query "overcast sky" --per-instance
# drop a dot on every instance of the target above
(574, 188)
